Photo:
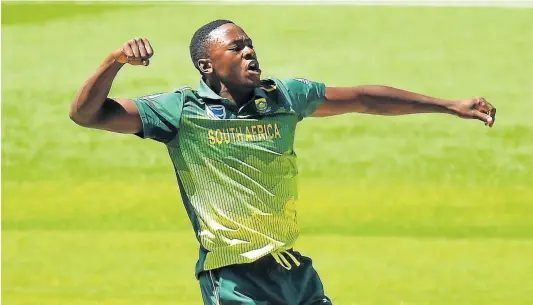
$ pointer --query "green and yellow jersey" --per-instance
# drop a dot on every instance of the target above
(236, 166)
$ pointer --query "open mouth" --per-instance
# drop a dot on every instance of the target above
(253, 67)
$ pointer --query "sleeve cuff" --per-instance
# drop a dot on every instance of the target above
(144, 132)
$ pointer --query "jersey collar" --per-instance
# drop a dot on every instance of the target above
(204, 91)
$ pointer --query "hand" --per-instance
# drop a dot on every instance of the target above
(475, 108)
(134, 52)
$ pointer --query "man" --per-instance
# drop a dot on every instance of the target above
(231, 144)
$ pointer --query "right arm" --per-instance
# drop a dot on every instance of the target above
(92, 108)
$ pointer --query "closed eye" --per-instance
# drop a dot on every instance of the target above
(238, 45)
(235, 49)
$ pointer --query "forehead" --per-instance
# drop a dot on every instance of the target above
(227, 34)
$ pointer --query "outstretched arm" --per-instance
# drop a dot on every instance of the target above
(383, 100)
(93, 108)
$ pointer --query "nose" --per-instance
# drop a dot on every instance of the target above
(248, 53)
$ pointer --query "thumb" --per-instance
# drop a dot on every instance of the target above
(485, 118)
(145, 62)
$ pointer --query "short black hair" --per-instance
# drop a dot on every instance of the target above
(198, 46)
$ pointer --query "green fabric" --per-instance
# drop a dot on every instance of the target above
(160, 115)
(263, 282)
(304, 95)
(236, 166)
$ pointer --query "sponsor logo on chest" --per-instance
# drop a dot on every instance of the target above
(216, 111)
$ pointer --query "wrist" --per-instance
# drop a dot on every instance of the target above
(450, 106)
(110, 62)
(118, 57)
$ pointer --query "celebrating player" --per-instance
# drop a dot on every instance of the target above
(231, 144)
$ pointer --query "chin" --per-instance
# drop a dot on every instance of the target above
(254, 81)
(246, 81)
(249, 83)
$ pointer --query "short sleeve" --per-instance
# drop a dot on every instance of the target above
(160, 115)
(305, 95)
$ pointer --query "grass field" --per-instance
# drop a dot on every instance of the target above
(413, 210)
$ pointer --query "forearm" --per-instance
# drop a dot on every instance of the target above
(381, 100)
(94, 92)
(391, 101)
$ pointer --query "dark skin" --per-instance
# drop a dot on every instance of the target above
(226, 70)
(232, 71)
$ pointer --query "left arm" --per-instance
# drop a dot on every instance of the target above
(383, 100)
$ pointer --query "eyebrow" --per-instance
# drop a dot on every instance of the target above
(240, 40)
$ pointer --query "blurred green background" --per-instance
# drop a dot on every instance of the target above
(411, 210)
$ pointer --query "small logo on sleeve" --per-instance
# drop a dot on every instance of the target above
(151, 96)
(303, 81)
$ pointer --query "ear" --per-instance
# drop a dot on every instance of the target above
(204, 65)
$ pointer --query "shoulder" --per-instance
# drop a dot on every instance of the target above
(293, 84)
(183, 90)
(158, 97)
(290, 80)
(171, 101)
(285, 86)
(175, 95)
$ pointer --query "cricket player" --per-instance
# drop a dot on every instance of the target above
(231, 141)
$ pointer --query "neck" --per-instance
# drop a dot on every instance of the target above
(236, 95)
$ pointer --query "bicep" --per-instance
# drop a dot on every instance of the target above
(119, 115)
(340, 100)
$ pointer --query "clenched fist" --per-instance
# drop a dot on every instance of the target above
(134, 52)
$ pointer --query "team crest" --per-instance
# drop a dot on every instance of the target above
(262, 105)
(216, 111)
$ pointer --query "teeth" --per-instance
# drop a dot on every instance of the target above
(253, 66)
